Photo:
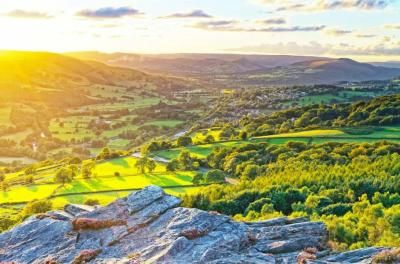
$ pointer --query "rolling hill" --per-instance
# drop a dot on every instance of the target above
(54, 78)
(244, 71)
(326, 71)
(193, 64)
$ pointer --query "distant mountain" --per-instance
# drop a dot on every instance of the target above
(390, 64)
(193, 64)
(243, 71)
(334, 70)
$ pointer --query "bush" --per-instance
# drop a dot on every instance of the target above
(214, 176)
(387, 257)
(92, 202)
(198, 178)
(338, 209)
(184, 141)
(36, 207)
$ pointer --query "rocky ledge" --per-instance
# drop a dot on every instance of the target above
(148, 226)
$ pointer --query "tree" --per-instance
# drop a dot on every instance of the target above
(4, 186)
(173, 165)
(198, 178)
(151, 165)
(87, 168)
(2, 175)
(185, 160)
(215, 176)
(144, 163)
(141, 164)
(209, 139)
(184, 141)
(250, 172)
(64, 175)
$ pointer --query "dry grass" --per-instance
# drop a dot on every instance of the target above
(390, 256)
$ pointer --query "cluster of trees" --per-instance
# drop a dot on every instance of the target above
(384, 110)
(144, 163)
(184, 161)
(353, 188)
(107, 153)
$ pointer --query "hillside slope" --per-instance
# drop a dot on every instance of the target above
(53, 78)
(148, 226)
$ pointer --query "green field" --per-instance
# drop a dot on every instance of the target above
(131, 105)
(103, 181)
(318, 136)
(200, 151)
(340, 97)
(366, 134)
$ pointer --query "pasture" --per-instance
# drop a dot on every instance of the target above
(317, 136)
(110, 179)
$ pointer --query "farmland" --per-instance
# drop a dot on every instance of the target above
(108, 178)
(317, 136)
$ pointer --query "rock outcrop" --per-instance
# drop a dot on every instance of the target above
(148, 226)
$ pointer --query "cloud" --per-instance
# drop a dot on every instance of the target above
(326, 5)
(312, 48)
(318, 49)
(109, 12)
(337, 32)
(215, 25)
(18, 13)
(235, 26)
(272, 21)
(365, 36)
(292, 7)
(393, 26)
(192, 14)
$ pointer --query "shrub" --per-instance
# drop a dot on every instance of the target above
(198, 178)
(36, 207)
(92, 202)
(216, 176)
(387, 257)
(184, 141)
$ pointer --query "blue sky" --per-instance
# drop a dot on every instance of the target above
(362, 29)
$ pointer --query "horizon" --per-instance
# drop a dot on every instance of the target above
(363, 30)
(67, 53)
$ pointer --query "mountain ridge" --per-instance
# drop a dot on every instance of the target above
(249, 70)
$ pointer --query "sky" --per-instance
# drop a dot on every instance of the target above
(366, 30)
